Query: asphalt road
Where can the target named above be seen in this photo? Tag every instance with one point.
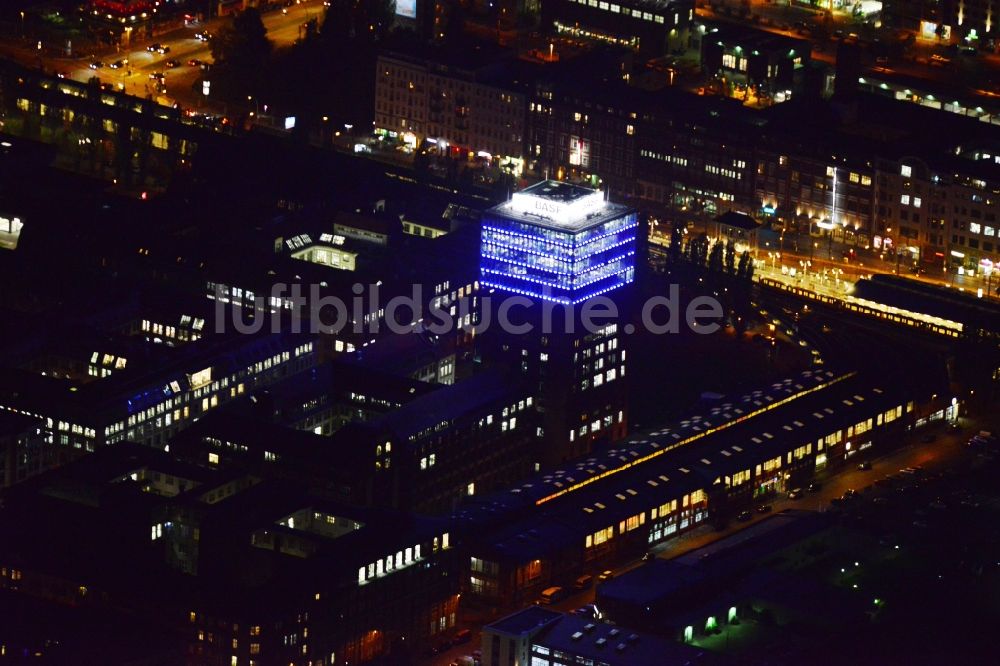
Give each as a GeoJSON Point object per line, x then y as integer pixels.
{"type": "Point", "coordinates": [282, 29]}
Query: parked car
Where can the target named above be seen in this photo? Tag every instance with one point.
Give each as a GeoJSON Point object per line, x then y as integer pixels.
{"type": "Point", "coordinates": [796, 493]}
{"type": "Point", "coordinates": [764, 508]}
{"type": "Point", "coordinates": [583, 582]}
{"type": "Point", "coordinates": [744, 516]}
{"type": "Point", "coordinates": [850, 494]}
{"type": "Point", "coordinates": [864, 466]}
{"type": "Point", "coordinates": [605, 575]}
{"type": "Point", "coordinates": [815, 487]}
{"type": "Point", "coordinates": [551, 595]}
{"type": "Point", "coordinates": [463, 636]}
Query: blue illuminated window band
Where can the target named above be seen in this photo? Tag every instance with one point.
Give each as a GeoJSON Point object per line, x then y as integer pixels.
{"type": "Point", "coordinates": [524, 249]}
{"type": "Point", "coordinates": [610, 233]}
{"type": "Point", "coordinates": [605, 247]}
{"type": "Point", "coordinates": [493, 246]}
{"type": "Point", "coordinates": [545, 269]}
{"type": "Point", "coordinates": [627, 241]}
{"type": "Point", "coordinates": [507, 232]}
{"type": "Point", "coordinates": [600, 266]}
{"type": "Point", "coordinates": [622, 273]}
{"type": "Point", "coordinates": [539, 267]}
{"type": "Point", "coordinates": [554, 299]}
{"type": "Point", "coordinates": [571, 246]}
{"type": "Point", "coordinates": [544, 283]}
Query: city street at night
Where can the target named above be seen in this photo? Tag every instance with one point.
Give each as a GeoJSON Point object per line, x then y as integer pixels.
{"type": "Point", "coordinates": [447, 333]}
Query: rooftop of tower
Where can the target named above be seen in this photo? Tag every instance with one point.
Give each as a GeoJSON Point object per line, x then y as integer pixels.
{"type": "Point", "coordinates": [559, 205]}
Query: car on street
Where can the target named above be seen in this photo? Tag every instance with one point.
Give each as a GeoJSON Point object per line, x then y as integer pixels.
{"type": "Point", "coordinates": [765, 508]}
{"type": "Point", "coordinates": [117, 64]}
{"type": "Point", "coordinates": [156, 75]}
{"type": "Point", "coordinates": [583, 582]}
{"type": "Point", "coordinates": [864, 466]}
{"type": "Point", "coordinates": [203, 36]}
{"type": "Point", "coordinates": [170, 64]}
{"type": "Point", "coordinates": [194, 62]}
{"type": "Point", "coordinates": [552, 595]}
{"type": "Point", "coordinates": [815, 487]}
{"type": "Point", "coordinates": [850, 494]}
{"type": "Point", "coordinates": [97, 64]}
{"type": "Point", "coordinates": [744, 516]}
{"type": "Point", "coordinates": [796, 493]}
{"type": "Point", "coordinates": [153, 48]}
{"type": "Point", "coordinates": [463, 636]}
{"type": "Point", "coordinates": [605, 575]}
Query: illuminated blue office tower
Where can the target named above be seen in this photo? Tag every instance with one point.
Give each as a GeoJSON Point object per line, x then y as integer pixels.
{"type": "Point", "coordinates": [558, 242]}
{"type": "Point", "coordinates": [561, 244]}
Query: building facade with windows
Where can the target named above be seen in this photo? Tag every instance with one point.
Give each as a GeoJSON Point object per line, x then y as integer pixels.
{"type": "Point", "coordinates": [561, 245]}
{"type": "Point", "coordinates": [652, 27]}
{"type": "Point", "coordinates": [450, 107]}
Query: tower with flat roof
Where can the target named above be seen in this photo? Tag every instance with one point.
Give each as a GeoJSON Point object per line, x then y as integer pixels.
{"type": "Point", "coordinates": [562, 245]}
{"type": "Point", "coordinates": [558, 242]}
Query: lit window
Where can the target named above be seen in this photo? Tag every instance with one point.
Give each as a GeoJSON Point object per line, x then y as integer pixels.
{"type": "Point", "coordinates": [904, 199]}
{"type": "Point", "coordinates": [916, 201]}
{"type": "Point", "coordinates": [905, 171]}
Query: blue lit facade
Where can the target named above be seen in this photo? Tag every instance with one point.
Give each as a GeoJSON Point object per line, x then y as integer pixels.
{"type": "Point", "coordinates": [558, 242]}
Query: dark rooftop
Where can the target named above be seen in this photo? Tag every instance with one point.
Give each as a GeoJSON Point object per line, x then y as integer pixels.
{"type": "Point", "coordinates": [739, 220]}
{"type": "Point", "coordinates": [525, 621]}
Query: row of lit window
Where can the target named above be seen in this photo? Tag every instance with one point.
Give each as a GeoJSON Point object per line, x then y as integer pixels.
{"type": "Point", "coordinates": [615, 8]}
